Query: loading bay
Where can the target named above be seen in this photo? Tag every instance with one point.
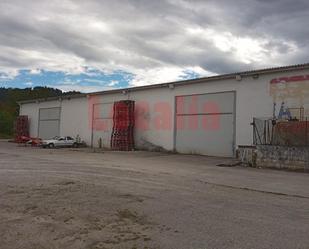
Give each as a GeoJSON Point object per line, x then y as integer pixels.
{"type": "Point", "coordinates": [74, 198]}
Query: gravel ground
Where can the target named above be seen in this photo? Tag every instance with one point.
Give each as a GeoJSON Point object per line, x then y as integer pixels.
{"type": "Point", "coordinates": [65, 198]}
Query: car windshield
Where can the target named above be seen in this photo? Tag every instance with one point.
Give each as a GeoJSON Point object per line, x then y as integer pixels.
{"type": "Point", "coordinates": [55, 137]}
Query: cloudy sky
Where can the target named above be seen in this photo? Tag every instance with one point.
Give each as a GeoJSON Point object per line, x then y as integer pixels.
{"type": "Point", "coordinates": [90, 45]}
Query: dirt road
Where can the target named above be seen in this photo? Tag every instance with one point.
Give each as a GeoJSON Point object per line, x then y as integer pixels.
{"type": "Point", "coordinates": [63, 198]}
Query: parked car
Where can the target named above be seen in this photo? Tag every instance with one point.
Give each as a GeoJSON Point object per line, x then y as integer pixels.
{"type": "Point", "coordinates": [59, 142]}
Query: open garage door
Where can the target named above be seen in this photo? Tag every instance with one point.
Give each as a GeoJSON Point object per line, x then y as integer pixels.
{"type": "Point", "coordinates": [205, 124]}
{"type": "Point", "coordinates": [49, 122]}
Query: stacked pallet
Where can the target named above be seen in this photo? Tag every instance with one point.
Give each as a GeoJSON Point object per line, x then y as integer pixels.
{"type": "Point", "coordinates": [123, 126]}
{"type": "Point", "coordinates": [21, 127]}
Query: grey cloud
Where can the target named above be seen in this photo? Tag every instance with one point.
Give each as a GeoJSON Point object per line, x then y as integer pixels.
{"type": "Point", "coordinates": [144, 34]}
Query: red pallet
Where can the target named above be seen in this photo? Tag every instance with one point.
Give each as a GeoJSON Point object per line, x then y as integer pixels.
{"type": "Point", "coordinates": [21, 127]}
{"type": "Point", "coordinates": [123, 126]}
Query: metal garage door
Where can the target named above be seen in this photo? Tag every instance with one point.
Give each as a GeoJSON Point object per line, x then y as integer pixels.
{"type": "Point", "coordinates": [205, 124]}
{"type": "Point", "coordinates": [102, 124]}
{"type": "Point", "coordinates": [49, 122]}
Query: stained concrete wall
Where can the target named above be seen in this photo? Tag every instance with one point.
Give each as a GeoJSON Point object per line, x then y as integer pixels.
{"type": "Point", "coordinates": [254, 98]}
{"type": "Point", "coordinates": [282, 157]}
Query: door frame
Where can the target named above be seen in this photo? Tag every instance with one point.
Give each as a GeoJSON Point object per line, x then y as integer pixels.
{"type": "Point", "coordinates": [197, 94]}
{"type": "Point", "coordinates": [58, 119]}
{"type": "Point", "coordinates": [92, 118]}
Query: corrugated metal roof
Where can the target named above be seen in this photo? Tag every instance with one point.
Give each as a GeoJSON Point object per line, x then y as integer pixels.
{"type": "Point", "coordinates": [183, 82]}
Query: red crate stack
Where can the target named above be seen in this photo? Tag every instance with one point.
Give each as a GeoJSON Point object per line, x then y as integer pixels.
{"type": "Point", "coordinates": [21, 127]}
{"type": "Point", "coordinates": [123, 126]}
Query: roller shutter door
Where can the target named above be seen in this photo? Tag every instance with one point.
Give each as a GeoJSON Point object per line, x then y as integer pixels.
{"type": "Point", "coordinates": [205, 124]}
{"type": "Point", "coordinates": [49, 122]}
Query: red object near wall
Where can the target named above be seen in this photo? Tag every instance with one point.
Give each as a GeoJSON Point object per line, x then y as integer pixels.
{"type": "Point", "coordinates": [123, 126]}
{"type": "Point", "coordinates": [21, 128]}
{"type": "Point", "coordinates": [293, 133]}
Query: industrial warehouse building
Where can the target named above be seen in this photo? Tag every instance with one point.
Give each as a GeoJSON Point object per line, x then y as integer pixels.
{"type": "Point", "coordinates": [209, 116]}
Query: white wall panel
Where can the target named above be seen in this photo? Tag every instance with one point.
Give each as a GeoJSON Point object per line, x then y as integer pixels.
{"type": "Point", "coordinates": [76, 119]}
{"type": "Point", "coordinates": [212, 139]}
{"type": "Point", "coordinates": [49, 128]}
{"type": "Point", "coordinates": [49, 113]}
{"type": "Point", "coordinates": [49, 122]}
{"type": "Point", "coordinates": [205, 103]}
{"type": "Point", "coordinates": [102, 124]}
{"type": "Point", "coordinates": [205, 124]}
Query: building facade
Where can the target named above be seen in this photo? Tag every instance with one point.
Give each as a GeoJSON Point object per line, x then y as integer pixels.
{"type": "Point", "coordinates": [209, 116]}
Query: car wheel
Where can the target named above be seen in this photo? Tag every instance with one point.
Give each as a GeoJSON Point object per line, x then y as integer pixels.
{"type": "Point", "coordinates": [51, 146]}
{"type": "Point", "coordinates": [75, 145]}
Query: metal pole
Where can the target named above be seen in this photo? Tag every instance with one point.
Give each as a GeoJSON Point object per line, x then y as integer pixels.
{"type": "Point", "coordinates": [92, 124]}
{"type": "Point", "coordinates": [254, 134]}
{"type": "Point", "coordinates": [272, 132]}
{"type": "Point", "coordinates": [306, 147]}
{"type": "Point", "coordinates": [265, 132]}
{"type": "Point", "coordinates": [306, 136]}
{"type": "Point", "coordinates": [268, 133]}
{"type": "Point", "coordinates": [258, 135]}
{"type": "Point", "coordinates": [307, 164]}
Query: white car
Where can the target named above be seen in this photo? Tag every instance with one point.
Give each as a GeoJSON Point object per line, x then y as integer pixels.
{"type": "Point", "coordinates": [59, 142]}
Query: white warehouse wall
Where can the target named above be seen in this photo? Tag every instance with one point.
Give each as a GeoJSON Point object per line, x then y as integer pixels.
{"type": "Point", "coordinates": [32, 111]}
{"type": "Point", "coordinates": [253, 99]}
{"type": "Point", "coordinates": [74, 119]}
